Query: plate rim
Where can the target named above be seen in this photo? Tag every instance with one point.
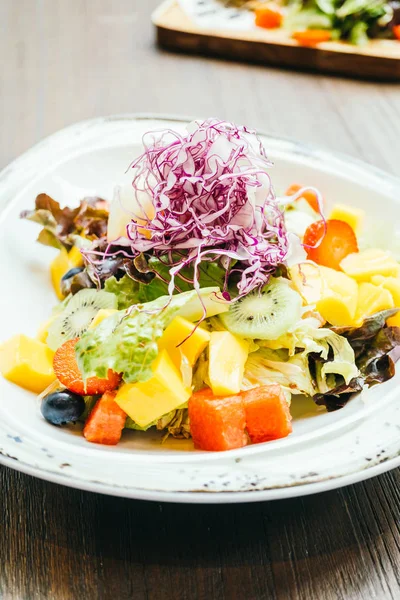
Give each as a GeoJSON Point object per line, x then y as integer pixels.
{"type": "Point", "coordinates": [204, 496]}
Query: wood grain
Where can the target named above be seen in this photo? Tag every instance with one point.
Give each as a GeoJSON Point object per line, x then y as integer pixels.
{"type": "Point", "coordinates": [67, 61]}
{"type": "Point", "coordinates": [376, 60]}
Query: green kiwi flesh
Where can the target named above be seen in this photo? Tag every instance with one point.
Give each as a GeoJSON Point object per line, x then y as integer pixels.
{"type": "Point", "coordinates": [77, 316]}
{"type": "Point", "coordinates": [264, 314]}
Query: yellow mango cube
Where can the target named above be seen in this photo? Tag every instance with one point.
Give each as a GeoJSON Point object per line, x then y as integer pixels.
{"type": "Point", "coordinates": [173, 336]}
{"type": "Point", "coordinates": [371, 299]}
{"type": "Point", "coordinates": [307, 280]}
{"type": "Point", "coordinates": [58, 267]}
{"type": "Point", "coordinates": [228, 355]}
{"type": "Point", "coordinates": [27, 362]}
{"type": "Point", "coordinates": [339, 297]}
{"type": "Point", "coordinates": [102, 314]}
{"type": "Point", "coordinates": [148, 401]}
{"type": "Point", "coordinates": [392, 284]}
{"type": "Point", "coordinates": [75, 257]}
{"type": "Point", "coordinates": [350, 215]}
{"type": "Point", "coordinates": [61, 264]}
{"type": "Point", "coordinates": [362, 266]}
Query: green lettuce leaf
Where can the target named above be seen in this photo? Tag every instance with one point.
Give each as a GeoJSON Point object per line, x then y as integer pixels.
{"type": "Point", "coordinates": [293, 365]}
{"type": "Point", "coordinates": [126, 342]}
{"type": "Point", "coordinates": [130, 291]}
{"type": "Point", "coordinates": [126, 290]}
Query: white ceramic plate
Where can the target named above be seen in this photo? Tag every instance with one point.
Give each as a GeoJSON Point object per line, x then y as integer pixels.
{"type": "Point", "coordinates": [324, 451]}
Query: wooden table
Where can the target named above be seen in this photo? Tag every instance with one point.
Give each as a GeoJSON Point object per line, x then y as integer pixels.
{"type": "Point", "coordinates": [67, 61]}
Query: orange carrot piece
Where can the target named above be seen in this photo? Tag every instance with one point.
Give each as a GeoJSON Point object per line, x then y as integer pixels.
{"type": "Point", "coordinates": [268, 18]}
{"type": "Point", "coordinates": [309, 196]}
{"type": "Point", "coordinates": [336, 240]}
{"type": "Point", "coordinates": [396, 32]}
{"type": "Point", "coordinates": [217, 423]}
{"type": "Point", "coordinates": [311, 37]}
{"type": "Point", "coordinates": [67, 373]}
{"type": "Point", "coordinates": [267, 414]}
{"type": "Point", "coordinates": [106, 421]}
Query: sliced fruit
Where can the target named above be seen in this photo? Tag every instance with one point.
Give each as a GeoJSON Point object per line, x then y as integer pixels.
{"type": "Point", "coordinates": [349, 214]}
{"type": "Point", "coordinates": [268, 18]}
{"type": "Point", "coordinates": [147, 401]}
{"type": "Point", "coordinates": [392, 284]}
{"type": "Point", "coordinates": [27, 362]}
{"type": "Point", "coordinates": [195, 341]}
{"type": "Point", "coordinates": [106, 421]}
{"type": "Point", "coordinates": [312, 37]}
{"type": "Point", "coordinates": [265, 314]}
{"type": "Point", "coordinates": [217, 424]}
{"type": "Point", "coordinates": [78, 315]}
{"type": "Point", "coordinates": [68, 373]}
{"type": "Point", "coordinates": [362, 266]}
{"type": "Point", "coordinates": [371, 299]}
{"type": "Point", "coordinates": [102, 314]}
{"type": "Point", "coordinates": [58, 267]}
{"type": "Point", "coordinates": [329, 243]}
{"type": "Point", "coordinates": [75, 257]}
{"type": "Point", "coordinates": [307, 280]}
{"type": "Point", "coordinates": [310, 196]}
{"type": "Point", "coordinates": [228, 355]}
{"type": "Point", "coordinates": [62, 263]}
{"type": "Point", "coordinates": [339, 298]}
{"type": "Point", "coordinates": [267, 414]}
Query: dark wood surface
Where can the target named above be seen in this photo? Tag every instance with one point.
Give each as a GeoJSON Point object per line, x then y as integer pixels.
{"type": "Point", "coordinates": [377, 60]}
{"type": "Point", "coordinates": [66, 61]}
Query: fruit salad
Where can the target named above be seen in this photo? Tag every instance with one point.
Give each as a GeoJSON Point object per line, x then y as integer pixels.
{"type": "Point", "coordinates": [202, 301]}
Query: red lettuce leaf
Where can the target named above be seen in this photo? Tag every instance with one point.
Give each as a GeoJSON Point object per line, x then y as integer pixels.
{"type": "Point", "coordinates": [61, 225]}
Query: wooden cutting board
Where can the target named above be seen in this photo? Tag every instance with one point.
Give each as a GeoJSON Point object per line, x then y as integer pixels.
{"type": "Point", "coordinates": [380, 59]}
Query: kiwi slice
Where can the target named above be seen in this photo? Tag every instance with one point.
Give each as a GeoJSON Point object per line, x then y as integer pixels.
{"type": "Point", "coordinates": [264, 314]}
{"type": "Point", "coordinates": [80, 311]}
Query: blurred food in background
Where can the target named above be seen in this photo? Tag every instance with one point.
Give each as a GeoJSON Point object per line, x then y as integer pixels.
{"type": "Point", "coordinates": [313, 21]}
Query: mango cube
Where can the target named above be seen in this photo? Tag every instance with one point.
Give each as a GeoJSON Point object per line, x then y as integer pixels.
{"type": "Point", "coordinates": [62, 263]}
{"type": "Point", "coordinates": [147, 401]}
{"type": "Point", "coordinates": [350, 215]}
{"type": "Point", "coordinates": [102, 314]}
{"type": "Point", "coordinates": [307, 280]}
{"type": "Point", "coordinates": [371, 299]}
{"type": "Point", "coordinates": [362, 266]}
{"type": "Point", "coordinates": [27, 362]}
{"type": "Point", "coordinates": [338, 302]}
{"type": "Point", "coordinates": [392, 284]}
{"type": "Point", "coordinates": [228, 355]}
{"type": "Point", "coordinates": [173, 336]}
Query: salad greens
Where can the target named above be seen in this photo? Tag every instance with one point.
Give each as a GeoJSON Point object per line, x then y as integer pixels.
{"type": "Point", "coordinates": [64, 227]}
{"type": "Point", "coordinates": [126, 342]}
{"type": "Point", "coordinates": [309, 361]}
{"type": "Point", "coordinates": [355, 21]}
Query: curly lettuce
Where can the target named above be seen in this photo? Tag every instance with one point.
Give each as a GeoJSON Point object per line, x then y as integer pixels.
{"type": "Point", "coordinates": [308, 360]}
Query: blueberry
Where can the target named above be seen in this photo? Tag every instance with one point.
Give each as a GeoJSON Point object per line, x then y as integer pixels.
{"type": "Point", "coordinates": [71, 273]}
{"type": "Point", "coordinates": [62, 407]}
